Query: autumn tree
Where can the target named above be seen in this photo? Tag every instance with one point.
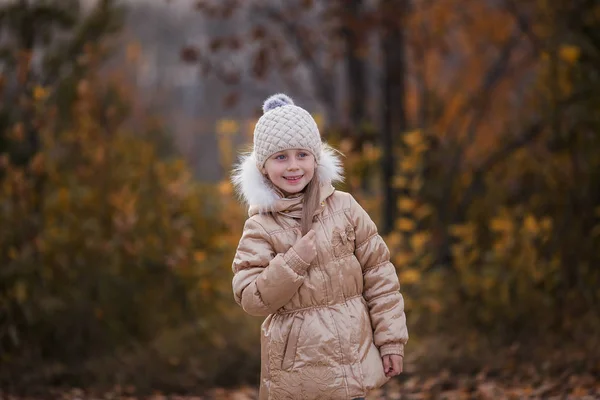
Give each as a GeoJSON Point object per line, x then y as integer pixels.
{"type": "Point", "coordinates": [301, 45]}
{"type": "Point", "coordinates": [500, 173]}
{"type": "Point", "coordinates": [107, 248]}
{"type": "Point", "coordinates": [44, 45]}
{"type": "Point", "coordinates": [488, 110]}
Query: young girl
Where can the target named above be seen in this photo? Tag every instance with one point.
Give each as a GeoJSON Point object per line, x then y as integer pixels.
{"type": "Point", "coordinates": [310, 260]}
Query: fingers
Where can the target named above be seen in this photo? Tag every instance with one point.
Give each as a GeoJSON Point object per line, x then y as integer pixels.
{"type": "Point", "coordinates": [310, 236]}
{"type": "Point", "coordinates": [309, 239]}
{"type": "Point", "coordinates": [397, 364]}
{"type": "Point", "coordinates": [306, 246]}
{"type": "Point", "coordinates": [392, 365]}
{"type": "Point", "coordinates": [387, 365]}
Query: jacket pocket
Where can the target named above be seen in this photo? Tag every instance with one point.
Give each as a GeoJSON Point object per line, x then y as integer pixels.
{"type": "Point", "coordinates": [292, 343]}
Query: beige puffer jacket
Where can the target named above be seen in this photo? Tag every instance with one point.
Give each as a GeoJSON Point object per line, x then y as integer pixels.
{"type": "Point", "coordinates": [328, 323]}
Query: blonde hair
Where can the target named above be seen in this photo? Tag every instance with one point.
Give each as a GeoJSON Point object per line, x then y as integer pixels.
{"type": "Point", "coordinates": [310, 203]}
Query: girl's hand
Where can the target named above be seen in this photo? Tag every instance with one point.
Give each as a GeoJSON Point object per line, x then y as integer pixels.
{"type": "Point", "coordinates": [306, 247]}
{"type": "Point", "coordinates": [392, 365]}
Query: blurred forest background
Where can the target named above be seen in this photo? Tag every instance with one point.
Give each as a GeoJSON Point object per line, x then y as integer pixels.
{"type": "Point", "coordinates": [471, 132]}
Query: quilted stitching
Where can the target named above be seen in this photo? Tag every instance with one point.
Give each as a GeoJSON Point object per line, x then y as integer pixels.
{"type": "Point", "coordinates": [285, 127]}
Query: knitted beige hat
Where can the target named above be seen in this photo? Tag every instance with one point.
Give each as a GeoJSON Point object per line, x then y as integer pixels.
{"type": "Point", "coordinates": [283, 126]}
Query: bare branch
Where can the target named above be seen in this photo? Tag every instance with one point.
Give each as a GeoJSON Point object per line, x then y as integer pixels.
{"type": "Point", "coordinates": [481, 101]}
{"type": "Point", "coordinates": [524, 24]}
{"type": "Point", "coordinates": [489, 81]}
{"type": "Point", "coordinates": [323, 82]}
{"type": "Point", "coordinates": [529, 134]}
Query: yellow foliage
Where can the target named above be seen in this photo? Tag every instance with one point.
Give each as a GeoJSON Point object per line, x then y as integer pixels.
{"type": "Point", "coordinates": [419, 240]}
{"type": "Point", "coordinates": [405, 224]}
{"type": "Point", "coordinates": [531, 225]}
{"type": "Point", "coordinates": [416, 184]}
{"type": "Point", "coordinates": [408, 164]}
{"type": "Point", "coordinates": [63, 197]}
{"type": "Point", "coordinates": [502, 246]}
{"type": "Point", "coordinates": [406, 204]}
{"type": "Point", "coordinates": [413, 138]}
{"type": "Point", "coordinates": [225, 188]}
{"type": "Point", "coordinates": [401, 259]}
{"type": "Point", "coordinates": [394, 240]}
{"type": "Point", "coordinates": [319, 119]}
{"type": "Point", "coordinates": [570, 53]}
{"type": "Point", "coordinates": [371, 153]}
{"type": "Point", "coordinates": [502, 224]}
{"type": "Point", "coordinates": [462, 231]}
{"type": "Point", "coordinates": [423, 211]}
{"type": "Point", "coordinates": [410, 276]}
{"type": "Point", "coordinates": [458, 250]}
{"type": "Point", "coordinates": [227, 126]}
{"type": "Point", "coordinates": [400, 182]}
{"type": "Point", "coordinates": [40, 93]}
{"type": "Point", "coordinates": [546, 224]}
{"type": "Point", "coordinates": [249, 131]}
{"type": "Point", "coordinates": [199, 256]}
{"type": "Point", "coordinates": [420, 148]}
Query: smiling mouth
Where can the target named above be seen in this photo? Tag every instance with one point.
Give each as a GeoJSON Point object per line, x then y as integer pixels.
{"type": "Point", "coordinates": [293, 178]}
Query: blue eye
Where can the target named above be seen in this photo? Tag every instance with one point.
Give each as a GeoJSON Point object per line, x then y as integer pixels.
{"type": "Point", "coordinates": [280, 157]}
{"type": "Point", "coordinates": [303, 155]}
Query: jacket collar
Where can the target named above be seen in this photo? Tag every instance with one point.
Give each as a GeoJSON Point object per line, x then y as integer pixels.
{"type": "Point", "coordinates": [260, 195]}
{"type": "Point", "coordinates": [292, 207]}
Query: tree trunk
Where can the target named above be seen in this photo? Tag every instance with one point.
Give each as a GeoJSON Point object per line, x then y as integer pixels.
{"type": "Point", "coordinates": [393, 101]}
{"type": "Point", "coordinates": [357, 88]}
{"type": "Point", "coordinates": [356, 75]}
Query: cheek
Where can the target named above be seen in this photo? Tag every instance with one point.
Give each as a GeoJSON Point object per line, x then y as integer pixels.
{"type": "Point", "coordinates": [273, 171]}
{"type": "Point", "coordinates": [311, 171]}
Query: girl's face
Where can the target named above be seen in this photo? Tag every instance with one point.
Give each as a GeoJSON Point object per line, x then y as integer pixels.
{"type": "Point", "coordinates": [290, 170]}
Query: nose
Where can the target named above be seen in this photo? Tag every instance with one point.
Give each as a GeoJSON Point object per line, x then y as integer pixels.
{"type": "Point", "coordinates": [293, 165]}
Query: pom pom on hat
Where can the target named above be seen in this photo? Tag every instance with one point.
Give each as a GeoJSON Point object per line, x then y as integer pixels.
{"type": "Point", "coordinates": [275, 101]}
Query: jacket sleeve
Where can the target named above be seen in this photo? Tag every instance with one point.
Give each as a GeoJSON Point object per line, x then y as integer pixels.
{"type": "Point", "coordinates": [381, 286]}
{"type": "Point", "coordinates": [264, 281]}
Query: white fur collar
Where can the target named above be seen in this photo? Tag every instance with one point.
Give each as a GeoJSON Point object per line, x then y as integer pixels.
{"type": "Point", "coordinates": [255, 190]}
